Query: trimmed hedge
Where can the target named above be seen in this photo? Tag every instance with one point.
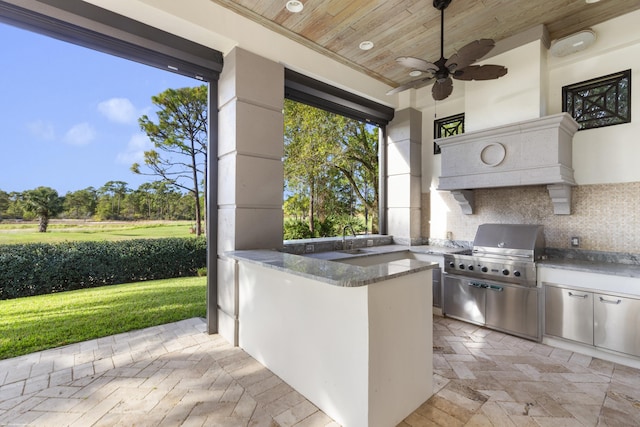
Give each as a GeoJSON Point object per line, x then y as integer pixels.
{"type": "Point", "coordinates": [43, 268]}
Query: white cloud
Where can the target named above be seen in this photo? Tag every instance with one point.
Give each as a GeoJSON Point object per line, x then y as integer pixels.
{"type": "Point", "coordinates": [119, 110]}
{"type": "Point", "coordinates": [42, 129]}
{"type": "Point", "coordinates": [134, 153]}
{"type": "Point", "coordinates": [80, 134]}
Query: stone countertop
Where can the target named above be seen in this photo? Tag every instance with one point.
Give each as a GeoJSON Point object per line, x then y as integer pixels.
{"type": "Point", "coordinates": [332, 272]}
{"type": "Point", "coordinates": [431, 249]}
{"type": "Point", "coordinates": [386, 249]}
{"type": "Point", "coordinates": [598, 267]}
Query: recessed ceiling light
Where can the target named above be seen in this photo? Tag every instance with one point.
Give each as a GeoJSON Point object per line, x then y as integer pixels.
{"type": "Point", "coordinates": [366, 45]}
{"type": "Point", "coordinates": [295, 6]}
{"type": "Point", "coordinates": [592, 1]}
{"type": "Point", "coordinates": [415, 73]}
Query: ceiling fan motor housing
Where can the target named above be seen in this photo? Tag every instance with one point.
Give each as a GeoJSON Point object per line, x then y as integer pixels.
{"type": "Point", "coordinates": [441, 4]}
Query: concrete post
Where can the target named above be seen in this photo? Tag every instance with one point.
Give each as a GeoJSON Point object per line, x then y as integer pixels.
{"type": "Point", "coordinates": [404, 172]}
{"type": "Point", "coordinates": [250, 175]}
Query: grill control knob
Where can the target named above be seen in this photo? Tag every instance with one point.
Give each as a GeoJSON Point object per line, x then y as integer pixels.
{"type": "Point", "coordinates": [505, 271]}
{"type": "Point", "coordinates": [452, 264]}
{"type": "Point", "coordinates": [484, 269]}
{"type": "Point", "coordinates": [470, 267]}
{"type": "Point", "coordinates": [516, 273]}
{"type": "Point", "coordinates": [461, 266]}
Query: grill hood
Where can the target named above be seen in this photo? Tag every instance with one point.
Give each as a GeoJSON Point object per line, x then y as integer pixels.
{"type": "Point", "coordinates": [515, 240]}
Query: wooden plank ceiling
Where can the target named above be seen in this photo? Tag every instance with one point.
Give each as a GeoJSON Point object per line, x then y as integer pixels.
{"type": "Point", "coordinates": [335, 28]}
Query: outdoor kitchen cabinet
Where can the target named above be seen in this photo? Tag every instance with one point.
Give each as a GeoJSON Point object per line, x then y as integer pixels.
{"type": "Point", "coordinates": [464, 299]}
{"type": "Point", "coordinates": [616, 321]}
{"type": "Point", "coordinates": [569, 314]}
{"type": "Point", "coordinates": [436, 275]}
{"type": "Point", "coordinates": [514, 309]}
{"type": "Point", "coordinates": [603, 320]}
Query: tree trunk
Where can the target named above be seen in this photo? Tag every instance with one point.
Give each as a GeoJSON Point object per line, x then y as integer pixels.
{"type": "Point", "coordinates": [196, 196]}
{"type": "Point", "coordinates": [196, 191]}
{"type": "Point", "coordinates": [311, 207]}
{"type": "Point", "coordinates": [205, 195]}
{"type": "Point", "coordinates": [43, 223]}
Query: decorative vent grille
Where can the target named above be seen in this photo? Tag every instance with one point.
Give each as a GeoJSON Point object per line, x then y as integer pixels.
{"type": "Point", "coordinates": [604, 101]}
{"type": "Point", "coordinates": [447, 126]}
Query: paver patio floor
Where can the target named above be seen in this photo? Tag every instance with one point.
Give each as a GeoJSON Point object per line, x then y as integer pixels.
{"type": "Point", "coordinates": [177, 375]}
{"type": "Point", "coordinates": [168, 375]}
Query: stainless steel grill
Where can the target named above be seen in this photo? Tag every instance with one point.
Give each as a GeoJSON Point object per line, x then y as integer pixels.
{"type": "Point", "coordinates": [494, 285]}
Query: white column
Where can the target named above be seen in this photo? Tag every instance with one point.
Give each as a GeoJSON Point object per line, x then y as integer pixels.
{"type": "Point", "coordinates": [404, 172]}
{"type": "Point", "coordinates": [250, 176]}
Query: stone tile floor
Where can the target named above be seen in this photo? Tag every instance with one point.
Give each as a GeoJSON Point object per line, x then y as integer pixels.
{"type": "Point", "coordinates": [177, 375]}
{"type": "Point", "coordinates": [487, 378]}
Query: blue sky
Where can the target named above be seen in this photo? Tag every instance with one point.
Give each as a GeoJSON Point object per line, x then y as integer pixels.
{"type": "Point", "coordinates": [69, 115]}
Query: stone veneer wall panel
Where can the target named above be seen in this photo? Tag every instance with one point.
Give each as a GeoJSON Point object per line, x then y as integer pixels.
{"type": "Point", "coordinates": [606, 217]}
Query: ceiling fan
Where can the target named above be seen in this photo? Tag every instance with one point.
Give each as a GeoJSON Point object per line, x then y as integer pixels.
{"type": "Point", "coordinates": [457, 66]}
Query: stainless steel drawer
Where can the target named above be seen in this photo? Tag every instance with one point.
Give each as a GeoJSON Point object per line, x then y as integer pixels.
{"type": "Point", "coordinates": [514, 309]}
{"type": "Point", "coordinates": [617, 323]}
{"type": "Point", "coordinates": [463, 299]}
{"type": "Point", "coordinates": [568, 314]}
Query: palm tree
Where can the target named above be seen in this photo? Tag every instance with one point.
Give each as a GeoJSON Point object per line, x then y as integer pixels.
{"type": "Point", "coordinates": [45, 203]}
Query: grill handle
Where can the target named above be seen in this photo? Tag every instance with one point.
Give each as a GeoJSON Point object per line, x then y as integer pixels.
{"type": "Point", "coordinates": [500, 254]}
{"type": "Point", "coordinates": [485, 286]}
{"type": "Point", "coordinates": [477, 285]}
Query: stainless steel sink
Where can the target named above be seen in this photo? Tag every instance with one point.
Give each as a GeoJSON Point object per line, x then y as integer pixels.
{"type": "Point", "coordinates": [354, 251]}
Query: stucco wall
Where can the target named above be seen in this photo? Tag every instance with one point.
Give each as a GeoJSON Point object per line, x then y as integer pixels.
{"type": "Point", "coordinates": [604, 155]}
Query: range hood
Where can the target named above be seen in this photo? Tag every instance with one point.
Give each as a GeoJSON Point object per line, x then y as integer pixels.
{"type": "Point", "coordinates": [531, 152]}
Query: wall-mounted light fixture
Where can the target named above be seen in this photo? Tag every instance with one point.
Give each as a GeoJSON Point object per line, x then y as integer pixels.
{"type": "Point", "coordinates": [573, 43]}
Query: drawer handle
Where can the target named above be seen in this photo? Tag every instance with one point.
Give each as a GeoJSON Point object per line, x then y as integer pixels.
{"type": "Point", "coordinates": [606, 301]}
{"type": "Point", "coordinates": [571, 294]}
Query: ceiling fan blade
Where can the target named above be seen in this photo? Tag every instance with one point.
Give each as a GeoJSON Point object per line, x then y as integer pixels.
{"type": "Point", "coordinates": [411, 85]}
{"type": "Point", "coordinates": [469, 53]}
{"type": "Point", "coordinates": [417, 64]}
{"type": "Point", "coordinates": [442, 89]}
{"type": "Point", "coordinates": [480, 72]}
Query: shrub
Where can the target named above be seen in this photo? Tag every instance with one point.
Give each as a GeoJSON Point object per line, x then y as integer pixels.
{"type": "Point", "coordinates": [42, 268]}
{"type": "Point", "coordinates": [296, 229]}
{"type": "Point", "coordinates": [338, 224]}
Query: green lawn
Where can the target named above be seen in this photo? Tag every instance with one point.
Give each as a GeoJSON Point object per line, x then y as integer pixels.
{"type": "Point", "coordinates": [59, 231]}
{"type": "Point", "coordinates": [47, 321]}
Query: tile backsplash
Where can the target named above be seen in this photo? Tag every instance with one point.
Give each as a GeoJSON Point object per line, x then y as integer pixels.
{"type": "Point", "coordinates": [605, 217]}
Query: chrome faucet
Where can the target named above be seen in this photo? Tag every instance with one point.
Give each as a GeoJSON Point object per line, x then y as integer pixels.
{"type": "Point", "coordinates": [344, 236]}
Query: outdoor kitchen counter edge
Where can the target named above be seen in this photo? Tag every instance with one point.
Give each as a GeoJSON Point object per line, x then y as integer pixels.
{"type": "Point", "coordinates": [330, 272]}
{"type": "Point", "coordinates": [608, 268]}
